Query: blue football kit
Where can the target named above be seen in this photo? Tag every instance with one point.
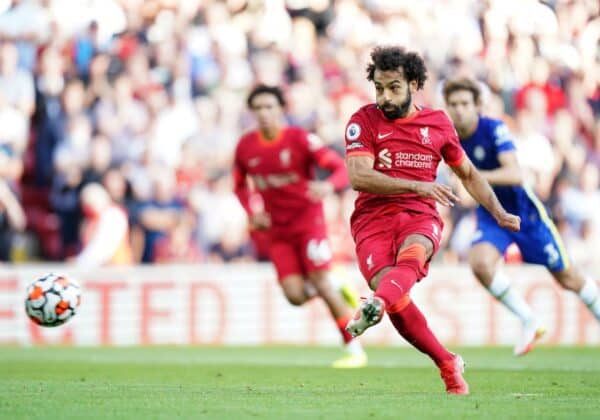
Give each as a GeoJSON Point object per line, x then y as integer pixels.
{"type": "Point", "coordinates": [538, 240]}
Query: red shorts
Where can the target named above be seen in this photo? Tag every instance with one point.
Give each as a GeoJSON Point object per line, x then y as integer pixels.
{"type": "Point", "coordinates": [379, 239]}
{"type": "Point", "coordinates": [303, 252]}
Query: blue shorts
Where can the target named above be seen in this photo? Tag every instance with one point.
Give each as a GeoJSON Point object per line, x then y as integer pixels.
{"type": "Point", "coordinates": [538, 240]}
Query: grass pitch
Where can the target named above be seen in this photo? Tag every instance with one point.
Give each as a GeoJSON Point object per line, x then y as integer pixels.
{"type": "Point", "coordinates": [291, 383]}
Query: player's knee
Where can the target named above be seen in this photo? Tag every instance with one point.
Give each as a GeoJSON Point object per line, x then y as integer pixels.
{"type": "Point", "coordinates": [295, 297]}
{"type": "Point", "coordinates": [483, 259]}
{"type": "Point", "coordinates": [419, 244]}
{"type": "Point", "coordinates": [569, 280]}
{"type": "Point", "coordinates": [320, 282]}
{"type": "Point", "coordinates": [414, 257]}
{"type": "Point", "coordinates": [483, 269]}
{"type": "Point", "coordinates": [376, 279]}
{"type": "Point", "coordinates": [294, 290]}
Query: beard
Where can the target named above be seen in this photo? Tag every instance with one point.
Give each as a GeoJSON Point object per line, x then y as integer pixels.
{"type": "Point", "coordinates": [393, 112]}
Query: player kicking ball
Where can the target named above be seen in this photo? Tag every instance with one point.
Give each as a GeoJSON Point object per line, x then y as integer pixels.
{"type": "Point", "coordinates": [488, 143]}
{"type": "Point", "coordinates": [279, 162]}
{"type": "Point", "coordinates": [393, 149]}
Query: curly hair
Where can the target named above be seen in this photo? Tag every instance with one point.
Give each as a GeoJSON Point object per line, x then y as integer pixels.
{"type": "Point", "coordinates": [391, 58]}
{"type": "Point", "coordinates": [272, 90]}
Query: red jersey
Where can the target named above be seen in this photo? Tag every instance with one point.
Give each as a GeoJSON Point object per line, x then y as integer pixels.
{"type": "Point", "coordinates": [409, 148]}
{"type": "Point", "coordinates": [280, 170]}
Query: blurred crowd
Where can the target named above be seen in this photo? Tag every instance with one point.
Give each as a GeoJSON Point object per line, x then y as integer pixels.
{"type": "Point", "coordinates": [119, 118]}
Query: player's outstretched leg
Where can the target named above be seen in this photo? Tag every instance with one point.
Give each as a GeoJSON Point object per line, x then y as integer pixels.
{"type": "Point", "coordinates": [393, 291]}
{"type": "Point", "coordinates": [355, 356]}
{"type": "Point", "coordinates": [586, 288]}
{"type": "Point", "coordinates": [412, 325]}
{"type": "Point", "coordinates": [295, 289]}
{"type": "Point", "coordinates": [532, 330]}
{"type": "Point", "coordinates": [483, 259]}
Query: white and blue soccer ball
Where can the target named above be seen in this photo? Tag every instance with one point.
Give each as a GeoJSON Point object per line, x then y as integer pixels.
{"type": "Point", "coordinates": [52, 300]}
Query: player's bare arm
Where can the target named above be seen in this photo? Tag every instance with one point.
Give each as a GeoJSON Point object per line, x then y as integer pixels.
{"type": "Point", "coordinates": [366, 179]}
{"type": "Point", "coordinates": [481, 191]}
{"type": "Point", "coordinates": [509, 172]}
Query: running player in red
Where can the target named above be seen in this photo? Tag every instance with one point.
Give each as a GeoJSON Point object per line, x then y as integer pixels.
{"type": "Point", "coordinates": [393, 149]}
{"type": "Point", "coordinates": [279, 161]}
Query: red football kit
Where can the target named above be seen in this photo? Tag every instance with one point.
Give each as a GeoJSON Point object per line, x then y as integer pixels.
{"type": "Point", "coordinates": [280, 170]}
{"type": "Point", "coordinates": [409, 148]}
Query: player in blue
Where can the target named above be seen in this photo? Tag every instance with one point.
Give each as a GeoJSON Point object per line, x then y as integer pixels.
{"type": "Point", "coordinates": [489, 145]}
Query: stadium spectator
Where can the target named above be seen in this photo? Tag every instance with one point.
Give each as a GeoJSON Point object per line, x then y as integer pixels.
{"type": "Point", "coordinates": [16, 84]}
{"type": "Point", "coordinates": [12, 220]}
{"type": "Point", "coordinates": [158, 216]}
{"type": "Point", "coordinates": [179, 245]}
{"type": "Point", "coordinates": [12, 139]}
{"type": "Point", "coordinates": [164, 81]}
{"type": "Point", "coordinates": [105, 233]}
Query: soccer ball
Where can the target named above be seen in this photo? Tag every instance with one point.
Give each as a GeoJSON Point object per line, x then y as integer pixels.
{"type": "Point", "coordinates": [52, 300]}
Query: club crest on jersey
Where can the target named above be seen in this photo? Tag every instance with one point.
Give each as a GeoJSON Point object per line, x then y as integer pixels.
{"type": "Point", "coordinates": [285, 156]}
{"type": "Point", "coordinates": [479, 153]}
{"type": "Point", "coordinates": [353, 131]}
{"type": "Point", "coordinates": [425, 135]}
{"type": "Point", "coordinates": [370, 263]}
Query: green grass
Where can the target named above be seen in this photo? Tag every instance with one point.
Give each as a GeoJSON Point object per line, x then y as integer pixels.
{"type": "Point", "coordinates": [291, 383]}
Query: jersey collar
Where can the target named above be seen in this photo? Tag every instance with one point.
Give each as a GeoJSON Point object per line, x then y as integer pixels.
{"type": "Point", "coordinates": [270, 142]}
{"type": "Point", "coordinates": [412, 116]}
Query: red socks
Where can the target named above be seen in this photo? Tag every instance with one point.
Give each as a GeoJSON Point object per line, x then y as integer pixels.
{"type": "Point", "coordinates": [412, 325]}
{"type": "Point", "coordinates": [394, 289]}
{"type": "Point", "coordinates": [397, 282]}
{"type": "Point", "coordinates": [341, 323]}
{"type": "Point", "coordinates": [395, 285]}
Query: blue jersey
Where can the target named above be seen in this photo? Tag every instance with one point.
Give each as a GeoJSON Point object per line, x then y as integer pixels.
{"type": "Point", "coordinates": [538, 239]}
{"type": "Point", "coordinates": [490, 139]}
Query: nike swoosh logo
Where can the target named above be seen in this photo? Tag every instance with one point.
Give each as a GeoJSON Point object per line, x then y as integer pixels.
{"type": "Point", "coordinates": [382, 136]}
{"type": "Point", "coordinates": [397, 285]}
